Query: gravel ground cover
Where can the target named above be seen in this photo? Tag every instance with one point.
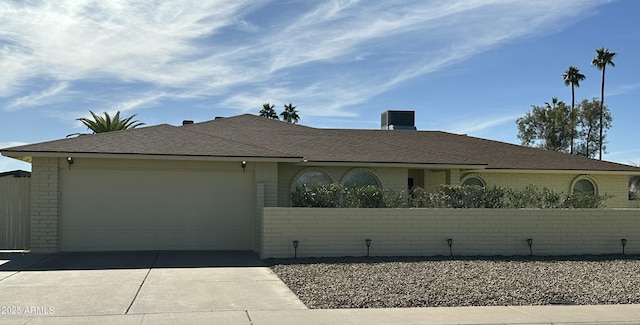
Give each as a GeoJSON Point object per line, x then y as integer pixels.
{"type": "Point", "coordinates": [384, 282]}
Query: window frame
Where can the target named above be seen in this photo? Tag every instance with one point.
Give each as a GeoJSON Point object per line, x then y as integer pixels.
{"type": "Point", "coordinates": [473, 176]}
{"type": "Point", "coordinates": [584, 178]}
{"type": "Point", "coordinates": [294, 184]}
{"type": "Point", "coordinates": [354, 171]}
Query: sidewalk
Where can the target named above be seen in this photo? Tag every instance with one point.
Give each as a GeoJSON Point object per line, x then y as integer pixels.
{"type": "Point", "coordinates": [529, 315]}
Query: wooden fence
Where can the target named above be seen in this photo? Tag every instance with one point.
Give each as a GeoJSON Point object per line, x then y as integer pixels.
{"type": "Point", "coordinates": [14, 213]}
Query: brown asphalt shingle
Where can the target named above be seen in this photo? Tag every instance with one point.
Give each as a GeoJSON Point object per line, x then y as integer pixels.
{"type": "Point", "coordinates": [252, 136]}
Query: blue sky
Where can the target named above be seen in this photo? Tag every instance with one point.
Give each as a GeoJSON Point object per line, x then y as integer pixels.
{"type": "Point", "coordinates": [464, 66]}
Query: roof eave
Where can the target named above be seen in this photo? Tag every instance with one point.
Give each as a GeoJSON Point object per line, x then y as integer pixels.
{"type": "Point", "coordinates": [390, 164]}
{"type": "Point", "coordinates": [27, 156]}
{"type": "Point", "coordinates": [554, 171]}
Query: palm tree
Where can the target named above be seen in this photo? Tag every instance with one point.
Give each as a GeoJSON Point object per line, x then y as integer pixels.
{"type": "Point", "coordinates": [101, 124]}
{"type": "Point", "coordinates": [290, 114]}
{"type": "Point", "coordinates": [268, 111]}
{"type": "Point", "coordinates": [601, 60]}
{"type": "Point", "coordinates": [573, 77]}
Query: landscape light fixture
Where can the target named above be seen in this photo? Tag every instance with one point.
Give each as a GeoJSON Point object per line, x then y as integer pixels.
{"type": "Point", "coordinates": [530, 243]}
{"type": "Point", "coordinates": [295, 248]}
{"type": "Point", "coordinates": [624, 243]}
{"type": "Point", "coordinates": [244, 166]}
{"type": "Point", "coordinates": [368, 243]}
{"type": "Point", "coordinates": [450, 243]}
{"type": "Point", "coordinates": [69, 162]}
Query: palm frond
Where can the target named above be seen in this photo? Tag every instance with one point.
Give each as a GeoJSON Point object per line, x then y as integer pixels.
{"type": "Point", "coordinates": [107, 123]}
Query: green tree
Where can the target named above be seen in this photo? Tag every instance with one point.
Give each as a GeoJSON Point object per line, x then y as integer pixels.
{"type": "Point", "coordinates": [546, 126]}
{"type": "Point", "coordinates": [573, 77]}
{"type": "Point", "coordinates": [589, 122]}
{"type": "Point", "coordinates": [107, 123]}
{"type": "Point", "coordinates": [602, 59]}
{"type": "Point", "coordinates": [290, 114]}
{"type": "Point", "coordinates": [268, 111]}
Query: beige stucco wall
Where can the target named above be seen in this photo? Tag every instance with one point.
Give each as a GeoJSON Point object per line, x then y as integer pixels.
{"type": "Point", "coordinates": [433, 178]}
{"type": "Point", "coordinates": [615, 187]}
{"type": "Point", "coordinates": [390, 178]}
{"type": "Point", "coordinates": [423, 232]}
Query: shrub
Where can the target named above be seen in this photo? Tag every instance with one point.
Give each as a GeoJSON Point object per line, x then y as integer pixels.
{"type": "Point", "coordinates": [583, 201]}
{"type": "Point", "coordinates": [363, 197]}
{"type": "Point", "coordinates": [317, 196]}
{"type": "Point", "coordinates": [444, 196]}
{"type": "Point", "coordinates": [532, 197]}
{"type": "Point", "coordinates": [396, 199]}
{"type": "Point", "coordinates": [337, 196]}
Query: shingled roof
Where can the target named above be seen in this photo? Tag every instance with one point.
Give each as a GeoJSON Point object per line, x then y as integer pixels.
{"type": "Point", "coordinates": [248, 136]}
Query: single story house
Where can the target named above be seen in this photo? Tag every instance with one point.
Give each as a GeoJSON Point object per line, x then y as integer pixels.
{"type": "Point", "coordinates": [203, 185]}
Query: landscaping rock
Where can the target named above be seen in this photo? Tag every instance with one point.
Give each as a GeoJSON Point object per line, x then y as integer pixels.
{"type": "Point", "coordinates": [463, 281]}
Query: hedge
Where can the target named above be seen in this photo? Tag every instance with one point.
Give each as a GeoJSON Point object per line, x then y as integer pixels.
{"type": "Point", "coordinates": [444, 196]}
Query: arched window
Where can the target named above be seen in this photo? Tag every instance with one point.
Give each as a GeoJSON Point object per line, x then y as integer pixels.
{"type": "Point", "coordinates": [360, 178]}
{"type": "Point", "coordinates": [310, 177]}
{"type": "Point", "coordinates": [473, 180]}
{"type": "Point", "coordinates": [584, 185]}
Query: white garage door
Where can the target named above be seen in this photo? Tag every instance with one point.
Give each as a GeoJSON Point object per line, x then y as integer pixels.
{"type": "Point", "coordinates": [113, 210]}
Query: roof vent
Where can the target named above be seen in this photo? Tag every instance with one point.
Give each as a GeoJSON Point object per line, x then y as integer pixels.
{"type": "Point", "coordinates": [187, 122]}
{"type": "Point", "coordinates": [398, 120]}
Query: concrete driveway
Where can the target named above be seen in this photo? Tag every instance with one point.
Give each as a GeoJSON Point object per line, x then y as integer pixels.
{"type": "Point", "coordinates": [136, 283]}
{"type": "Point", "coordinates": [218, 288]}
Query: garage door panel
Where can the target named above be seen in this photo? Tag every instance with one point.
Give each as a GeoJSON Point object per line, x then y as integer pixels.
{"type": "Point", "coordinates": [149, 210]}
{"type": "Point", "coordinates": [125, 240]}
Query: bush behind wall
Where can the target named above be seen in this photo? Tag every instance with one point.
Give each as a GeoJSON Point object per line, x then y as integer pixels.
{"type": "Point", "coordinates": [444, 196]}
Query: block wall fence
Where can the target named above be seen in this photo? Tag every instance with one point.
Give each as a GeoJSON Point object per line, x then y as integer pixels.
{"type": "Point", "coordinates": [424, 232]}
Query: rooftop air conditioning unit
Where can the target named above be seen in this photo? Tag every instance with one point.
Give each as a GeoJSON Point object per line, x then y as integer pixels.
{"type": "Point", "coordinates": [398, 120]}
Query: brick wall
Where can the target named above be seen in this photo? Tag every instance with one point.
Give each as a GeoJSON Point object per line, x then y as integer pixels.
{"type": "Point", "coordinates": [266, 195]}
{"type": "Point", "coordinates": [44, 205]}
{"type": "Point", "coordinates": [423, 232]}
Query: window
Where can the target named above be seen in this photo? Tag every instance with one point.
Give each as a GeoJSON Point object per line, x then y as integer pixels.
{"type": "Point", "coordinates": [584, 185]}
{"type": "Point", "coordinates": [360, 178]}
{"type": "Point", "coordinates": [311, 177]}
{"type": "Point", "coordinates": [473, 181]}
{"type": "Point", "coordinates": [634, 188]}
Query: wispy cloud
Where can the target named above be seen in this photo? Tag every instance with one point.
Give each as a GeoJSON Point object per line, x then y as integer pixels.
{"type": "Point", "coordinates": [623, 89]}
{"type": "Point", "coordinates": [39, 98]}
{"type": "Point", "coordinates": [478, 124]}
{"type": "Point", "coordinates": [628, 157]}
{"type": "Point", "coordinates": [325, 58]}
{"type": "Point", "coordinates": [139, 101]}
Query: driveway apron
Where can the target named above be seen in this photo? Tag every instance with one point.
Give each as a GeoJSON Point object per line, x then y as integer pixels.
{"type": "Point", "coordinates": [201, 281]}
{"type": "Point", "coordinates": [94, 284]}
